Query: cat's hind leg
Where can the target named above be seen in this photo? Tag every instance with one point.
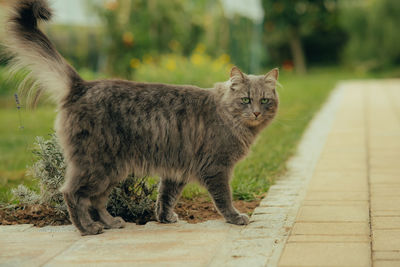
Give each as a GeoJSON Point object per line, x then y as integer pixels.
{"type": "Point", "coordinates": [77, 190]}
{"type": "Point", "coordinates": [99, 203]}
{"type": "Point", "coordinates": [78, 209]}
{"type": "Point", "coordinates": [169, 192]}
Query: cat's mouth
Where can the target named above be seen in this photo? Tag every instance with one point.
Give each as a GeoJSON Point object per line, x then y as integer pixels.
{"type": "Point", "coordinates": [254, 121]}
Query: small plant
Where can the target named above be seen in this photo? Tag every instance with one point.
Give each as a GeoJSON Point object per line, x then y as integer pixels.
{"type": "Point", "coordinates": [132, 199]}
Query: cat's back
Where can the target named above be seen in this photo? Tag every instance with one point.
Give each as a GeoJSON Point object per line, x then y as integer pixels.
{"type": "Point", "coordinates": [143, 108]}
{"type": "Point", "coordinates": [144, 95]}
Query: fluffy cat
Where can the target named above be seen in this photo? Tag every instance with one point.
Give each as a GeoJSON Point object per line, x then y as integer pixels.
{"type": "Point", "coordinates": [110, 128]}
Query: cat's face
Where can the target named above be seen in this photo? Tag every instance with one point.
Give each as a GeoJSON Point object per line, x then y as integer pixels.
{"type": "Point", "coordinates": [252, 99]}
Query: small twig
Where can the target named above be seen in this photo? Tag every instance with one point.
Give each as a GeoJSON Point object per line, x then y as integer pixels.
{"type": "Point", "coordinates": [21, 127]}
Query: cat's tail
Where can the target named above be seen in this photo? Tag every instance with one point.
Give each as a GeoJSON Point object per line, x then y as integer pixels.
{"type": "Point", "coordinates": [32, 50]}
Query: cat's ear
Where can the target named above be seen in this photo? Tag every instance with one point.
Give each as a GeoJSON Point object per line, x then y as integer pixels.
{"type": "Point", "coordinates": [272, 76]}
{"type": "Point", "coordinates": [237, 77]}
{"type": "Point", "coordinates": [236, 73]}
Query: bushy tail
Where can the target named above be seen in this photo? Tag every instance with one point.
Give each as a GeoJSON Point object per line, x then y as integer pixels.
{"type": "Point", "coordinates": [32, 50]}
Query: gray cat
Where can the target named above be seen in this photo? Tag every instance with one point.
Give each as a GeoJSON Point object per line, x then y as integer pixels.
{"type": "Point", "coordinates": [111, 128]}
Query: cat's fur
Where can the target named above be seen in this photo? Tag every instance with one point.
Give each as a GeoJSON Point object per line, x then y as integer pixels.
{"type": "Point", "coordinates": [111, 128]}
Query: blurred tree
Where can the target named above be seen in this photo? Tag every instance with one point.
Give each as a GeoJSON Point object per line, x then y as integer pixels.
{"type": "Point", "coordinates": [287, 22]}
{"type": "Point", "coordinates": [244, 44]}
{"type": "Point", "coordinates": [373, 28]}
{"type": "Point", "coordinates": [138, 30]}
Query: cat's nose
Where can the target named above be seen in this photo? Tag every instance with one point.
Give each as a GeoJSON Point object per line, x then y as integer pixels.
{"type": "Point", "coordinates": [256, 114]}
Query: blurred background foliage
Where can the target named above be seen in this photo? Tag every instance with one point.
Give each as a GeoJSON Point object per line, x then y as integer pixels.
{"type": "Point", "coordinates": [373, 35]}
{"type": "Point", "coordinates": [134, 35]}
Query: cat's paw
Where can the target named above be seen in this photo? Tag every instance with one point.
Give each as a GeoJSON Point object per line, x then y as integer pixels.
{"type": "Point", "coordinates": [170, 217]}
{"type": "Point", "coordinates": [93, 228]}
{"type": "Point", "coordinates": [239, 219]}
{"type": "Point", "coordinates": [116, 223]}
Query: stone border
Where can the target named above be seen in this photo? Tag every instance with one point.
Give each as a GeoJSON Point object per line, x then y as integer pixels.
{"type": "Point", "coordinates": [262, 241]}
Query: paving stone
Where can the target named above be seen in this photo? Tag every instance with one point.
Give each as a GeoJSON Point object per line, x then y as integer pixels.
{"type": "Point", "coordinates": [355, 152]}
{"type": "Point", "coordinates": [281, 198]}
{"type": "Point", "coordinates": [252, 246]}
{"type": "Point", "coordinates": [257, 233]}
{"type": "Point", "coordinates": [330, 228]}
{"type": "Point", "coordinates": [382, 204]}
{"type": "Point", "coordinates": [384, 178]}
{"type": "Point", "coordinates": [334, 203]}
{"type": "Point", "coordinates": [238, 261]}
{"type": "Point", "coordinates": [15, 228]}
{"type": "Point", "coordinates": [32, 249]}
{"type": "Point", "coordinates": [345, 139]}
{"type": "Point", "coordinates": [284, 202]}
{"type": "Point", "coordinates": [384, 164]}
{"type": "Point", "coordinates": [341, 175]}
{"type": "Point", "coordinates": [385, 172]}
{"type": "Point", "coordinates": [281, 192]}
{"type": "Point", "coordinates": [385, 190]}
{"type": "Point", "coordinates": [386, 263]}
{"type": "Point", "coordinates": [384, 213]}
{"type": "Point", "coordinates": [386, 255]}
{"type": "Point", "coordinates": [271, 224]}
{"type": "Point", "coordinates": [329, 181]}
{"type": "Point", "coordinates": [325, 254]}
{"type": "Point", "coordinates": [385, 223]}
{"type": "Point", "coordinates": [343, 164]}
{"type": "Point", "coordinates": [356, 213]}
{"type": "Point", "coordinates": [325, 238]}
{"type": "Point", "coordinates": [337, 195]}
{"type": "Point", "coordinates": [268, 217]}
{"type": "Point", "coordinates": [53, 229]}
{"type": "Point", "coordinates": [270, 210]}
{"type": "Point", "coordinates": [386, 240]}
{"type": "Point", "coordinates": [174, 248]}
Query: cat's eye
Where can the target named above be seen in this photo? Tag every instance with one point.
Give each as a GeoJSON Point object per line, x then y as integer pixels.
{"type": "Point", "coordinates": [245, 100]}
{"type": "Point", "coordinates": [265, 101]}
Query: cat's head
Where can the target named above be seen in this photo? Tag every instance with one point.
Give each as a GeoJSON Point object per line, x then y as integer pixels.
{"type": "Point", "coordinates": [252, 99]}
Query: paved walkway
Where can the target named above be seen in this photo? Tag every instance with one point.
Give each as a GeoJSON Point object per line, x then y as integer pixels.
{"type": "Point", "coordinates": [351, 212]}
{"type": "Point", "coordinates": [338, 205]}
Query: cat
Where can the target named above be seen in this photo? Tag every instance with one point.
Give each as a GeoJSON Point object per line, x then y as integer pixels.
{"type": "Point", "coordinates": [111, 128]}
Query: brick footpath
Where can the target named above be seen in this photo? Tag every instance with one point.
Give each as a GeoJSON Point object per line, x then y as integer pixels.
{"type": "Point", "coordinates": [350, 215]}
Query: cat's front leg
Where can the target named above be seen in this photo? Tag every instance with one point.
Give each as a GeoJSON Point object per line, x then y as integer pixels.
{"type": "Point", "coordinates": [219, 189]}
{"type": "Point", "coordinates": [168, 195]}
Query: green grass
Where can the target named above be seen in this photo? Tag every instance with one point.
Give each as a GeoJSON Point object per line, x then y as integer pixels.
{"type": "Point", "coordinates": [300, 98]}
{"type": "Point", "coordinates": [16, 143]}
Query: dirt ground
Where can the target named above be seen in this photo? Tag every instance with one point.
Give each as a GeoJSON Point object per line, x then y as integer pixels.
{"type": "Point", "coordinates": [191, 210]}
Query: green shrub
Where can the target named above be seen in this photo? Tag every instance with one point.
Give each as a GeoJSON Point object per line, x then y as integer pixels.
{"type": "Point", "coordinates": [132, 199]}
{"type": "Point", "coordinates": [373, 32]}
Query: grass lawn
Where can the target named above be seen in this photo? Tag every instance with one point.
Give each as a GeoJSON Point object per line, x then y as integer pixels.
{"type": "Point", "coordinates": [16, 144]}
{"type": "Point", "coordinates": [300, 97]}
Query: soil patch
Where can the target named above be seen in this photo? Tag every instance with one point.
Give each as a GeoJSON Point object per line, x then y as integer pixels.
{"type": "Point", "coordinates": [202, 209]}
{"type": "Point", "coordinates": [38, 215]}
{"type": "Point", "coordinates": [191, 210]}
